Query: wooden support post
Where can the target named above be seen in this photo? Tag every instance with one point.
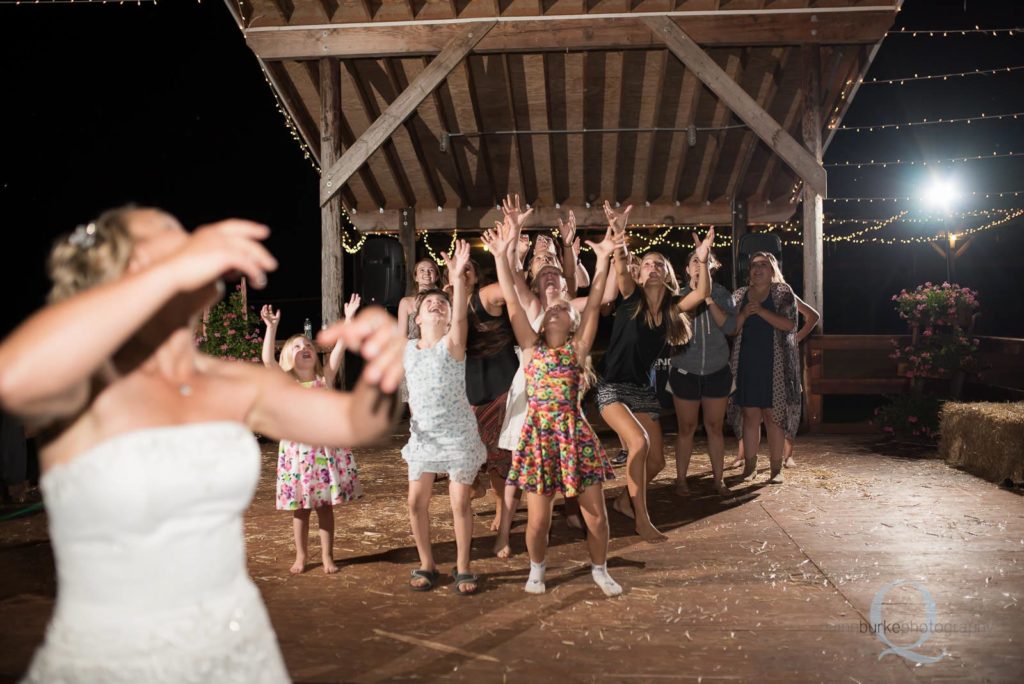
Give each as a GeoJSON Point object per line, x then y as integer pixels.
{"type": "Point", "coordinates": [336, 174]}
{"type": "Point", "coordinates": [407, 238]}
{"type": "Point", "coordinates": [332, 275]}
{"type": "Point", "coordinates": [813, 210]}
{"type": "Point", "coordinates": [739, 229]}
{"type": "Point", "coordinates": [813, 228]}
{"type": "Point", "coordinates": [805, 164]}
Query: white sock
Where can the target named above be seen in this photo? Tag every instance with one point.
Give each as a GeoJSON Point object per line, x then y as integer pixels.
{"type": "Point", "coordinates": [602, 579]}
{"type": "Point", "coordinates": [535, 585]}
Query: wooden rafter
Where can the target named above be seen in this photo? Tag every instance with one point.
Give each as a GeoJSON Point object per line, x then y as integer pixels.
{"type": "Point", "coordinates": [484, 217]}
{"type": "Point", "coordinates": [382, 128]}
{"type": "Point", "coordinates": [766, 128]}
{"type": "Point", "coordinates": [767, 93]}
{"type": "Point", "coordinates": [579, 32]}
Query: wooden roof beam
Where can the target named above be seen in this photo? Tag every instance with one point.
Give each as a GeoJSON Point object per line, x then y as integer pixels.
{"type": "Point", "coordinates": [743, 106]}
{"type": "Point", "coordinates": [831, 26]}
{"type": "Point", "coordinates": [719, 213]}
{"type": "Point", "coordinates": [332, 179]}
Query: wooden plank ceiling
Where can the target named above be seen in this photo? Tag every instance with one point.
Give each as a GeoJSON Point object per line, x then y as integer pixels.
{"type": "Point", "coordinates": [512, 117]}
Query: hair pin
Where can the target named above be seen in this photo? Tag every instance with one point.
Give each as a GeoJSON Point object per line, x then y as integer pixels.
{"type": "Point", "coordinates": [84, 236]}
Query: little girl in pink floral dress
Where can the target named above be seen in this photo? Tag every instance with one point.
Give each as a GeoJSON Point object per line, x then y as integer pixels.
{"type": "Point", "coordinates": [311, 477]}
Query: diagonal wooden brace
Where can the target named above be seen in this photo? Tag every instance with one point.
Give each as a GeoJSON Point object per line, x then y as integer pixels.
{"type": "Point", "coordinates": [742, 105]}
{"type": "Point", "coordinates": [333, 178]}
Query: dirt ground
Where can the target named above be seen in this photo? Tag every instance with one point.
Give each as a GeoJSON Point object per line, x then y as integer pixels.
{"type": "Point", "coordinates": [774, 584]}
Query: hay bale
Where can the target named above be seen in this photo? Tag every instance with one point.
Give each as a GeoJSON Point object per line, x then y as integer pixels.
{"type": "Point", "coordinates": [985, 438]}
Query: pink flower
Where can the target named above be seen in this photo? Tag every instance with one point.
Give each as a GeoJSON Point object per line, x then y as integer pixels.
{"type": "Point", "coordinates": [231, 332]}
{"type": "Point", "coordinates": [911, 419]}
{"type": "Point", "coordinates": [223, 347]}
{"type": "Point", "coordinates": [927, 332]}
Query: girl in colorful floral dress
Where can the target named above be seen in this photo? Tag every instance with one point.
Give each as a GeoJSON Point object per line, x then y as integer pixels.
{"type": "Point", "coordinates": [311, 477]}
{"type": "Point", "coordinates": [558, 451]}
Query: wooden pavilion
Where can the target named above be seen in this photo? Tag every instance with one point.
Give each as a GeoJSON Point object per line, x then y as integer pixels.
{"type": "Point", "coordinates": [423, 114]}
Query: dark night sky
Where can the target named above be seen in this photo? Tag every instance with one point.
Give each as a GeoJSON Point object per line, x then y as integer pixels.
{"type": "Point", "coordinates": [164, 105]}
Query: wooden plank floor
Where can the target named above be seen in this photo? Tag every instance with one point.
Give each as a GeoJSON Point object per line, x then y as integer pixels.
{"type": "Point", "coordinates": [775, 584]}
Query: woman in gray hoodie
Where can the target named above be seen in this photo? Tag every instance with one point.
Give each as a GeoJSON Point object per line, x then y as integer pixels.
{"type": "Point", "coordinates": [700, 377]}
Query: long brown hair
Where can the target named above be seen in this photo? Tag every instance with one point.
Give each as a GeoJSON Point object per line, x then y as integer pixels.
{"type": "Point", "coordinates": [677, 324]}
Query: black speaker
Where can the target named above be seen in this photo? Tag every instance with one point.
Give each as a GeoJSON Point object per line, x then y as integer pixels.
{"type": "Point", "coordinates": [751, 243]}
{"type": "Point", "coordinates": [381, 271]}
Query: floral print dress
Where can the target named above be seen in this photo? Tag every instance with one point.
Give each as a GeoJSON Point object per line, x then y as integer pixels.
{"type": "Point", "coordinates": [558, 451]}
{"type": "Point", "coordinates": [314, 476]}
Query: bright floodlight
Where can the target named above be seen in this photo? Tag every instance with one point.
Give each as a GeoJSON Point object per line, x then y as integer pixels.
{"type": "Point", "coordinates": [942, 194]}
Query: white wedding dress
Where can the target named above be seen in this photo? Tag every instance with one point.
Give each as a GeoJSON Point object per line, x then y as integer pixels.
{"type": "Point", "coordinates": [151, 579]}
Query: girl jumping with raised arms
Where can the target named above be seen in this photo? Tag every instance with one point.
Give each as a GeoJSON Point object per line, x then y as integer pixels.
{"type": "Point", "coordinates": [558, 451]}
{"type": "Point", "coordinates": [443, 436]}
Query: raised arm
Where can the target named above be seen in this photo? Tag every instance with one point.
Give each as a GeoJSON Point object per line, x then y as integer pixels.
{"type": "Point", "coordinates": [500, 241]}
{"type": "Point", "coordinates": [567, 233]}
{"type": "Point", "coordinates": [703, 290]}
{"type": "Point", "coordinates": [618, 221]}
{"type": "Point", "coordinates": [811, 318]}
{"type": "Point", "coordinates": [283, 409]}
{"type": "Point", "coordinates": [592, 312]}
{"type": "Point", "coordinates": [271, 319]}
{"type": "Point", "coordinates": [337, 356]}
{"type": "Point", "coordinates": [42, 377]}
{"type": "Point", "coordinates": [493, 296]}
{"type": "Point", "coordinates": [582, 277]}
{"type": "Point", "coordinates": [459, 329]}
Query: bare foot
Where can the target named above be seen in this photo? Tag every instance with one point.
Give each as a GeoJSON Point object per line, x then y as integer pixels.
{"type": "Point", "coordinates": [790, 462]}
{"type": "Point", "coordinates": [722, 490]}
{"type": "Point", "coordinates": [738, 463]}
{"type": "Point", "coordinates": [650, 534]}
{"type": "Point", "coordinates": [501, 546]}
{"type": "Point", "coordinates": [681, 489]}
{"type": "Point", "coordinates": [329, 567]}
{"type": "Point", "coordinates": [623, 505]}
{"type": "Point", "coordinates": [299, 566]}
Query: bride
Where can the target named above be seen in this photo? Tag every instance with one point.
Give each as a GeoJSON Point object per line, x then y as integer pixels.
{"type": "Point", "coordinates": [147, 453]}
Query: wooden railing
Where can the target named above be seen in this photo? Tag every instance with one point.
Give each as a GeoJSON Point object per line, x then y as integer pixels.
{"type": "Point", "coordinates": [860, 365]}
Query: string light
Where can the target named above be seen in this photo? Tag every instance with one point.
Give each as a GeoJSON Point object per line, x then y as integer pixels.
{"type": "Point", "coordinates": [915, 162]}
{"type": "Point", "coordinates": [289, 122]}
{"type": "Point", "coordinates": [924, 122]}
{"type": "Point", "coordinates": [935, 77]}
{"type": "Point", "coordinates": [946, 33]}
{"type": "Point", "coordinates": [430, 250]}
{"type": "Point", "coordinates": [76, 2]}
{"type": "Point", "coordinates": [871, 200]}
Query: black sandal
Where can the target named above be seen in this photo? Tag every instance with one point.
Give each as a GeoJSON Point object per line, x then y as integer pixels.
{"type": "Point", "coordinates": [431, 576]}
{"type": "Point", "coordinates": [464, 578]}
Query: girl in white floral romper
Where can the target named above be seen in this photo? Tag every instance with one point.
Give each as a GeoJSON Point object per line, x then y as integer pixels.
{"type": "Point", "coordinates": [443, 435]}
{"type": "Point", "coordinates": [311, 477]}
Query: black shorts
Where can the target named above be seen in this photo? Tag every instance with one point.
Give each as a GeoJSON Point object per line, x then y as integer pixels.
{"type": "Point", "coordinates": [692, 387]}
{"type": "Point", "coordinates": [637, 398]}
